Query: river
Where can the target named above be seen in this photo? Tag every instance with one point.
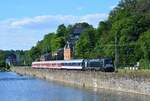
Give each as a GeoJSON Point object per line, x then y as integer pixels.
{"type": "Point", "coordinates": [14, 87]}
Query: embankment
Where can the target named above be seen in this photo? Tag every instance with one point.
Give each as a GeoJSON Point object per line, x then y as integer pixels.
{"type": "Point", "coordinates": [91, 79]}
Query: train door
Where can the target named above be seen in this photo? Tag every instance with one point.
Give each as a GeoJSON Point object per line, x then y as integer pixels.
{"type": "Point", "coordinates": [84, 64]}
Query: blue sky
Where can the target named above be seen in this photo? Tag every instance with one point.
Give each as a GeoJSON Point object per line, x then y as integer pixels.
{"type": "Point", "coordinates": [24, 22]}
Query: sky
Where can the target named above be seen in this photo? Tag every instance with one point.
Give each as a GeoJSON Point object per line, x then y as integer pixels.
{"type": "Point", "coordinates": [24, 22]}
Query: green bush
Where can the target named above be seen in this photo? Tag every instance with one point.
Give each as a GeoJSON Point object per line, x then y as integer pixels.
{"type": "Point", "coordinates": [144, 64]}
{"type": "Point", "coordinates": [4, 66]}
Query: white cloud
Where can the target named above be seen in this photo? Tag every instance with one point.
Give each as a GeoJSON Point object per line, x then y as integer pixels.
{"type": "Point", "coordinates": [25, 32]}
{"type": "Point", "coordinates": [52, 21]}
{"type": "Point", "coordinates": [80, 8]}
{"type": "Point", "coordinates": [113, 6]}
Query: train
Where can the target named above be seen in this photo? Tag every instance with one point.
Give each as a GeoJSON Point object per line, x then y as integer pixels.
{"type": "Point", "coordinates": [104, 64]}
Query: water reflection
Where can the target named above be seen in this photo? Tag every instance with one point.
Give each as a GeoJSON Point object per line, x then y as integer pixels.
{"type": "Point", "coordinates": [23, 88]}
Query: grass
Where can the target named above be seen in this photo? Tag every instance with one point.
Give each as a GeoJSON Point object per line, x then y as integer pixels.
{"type": "Point", "coordinates": [134, 73]}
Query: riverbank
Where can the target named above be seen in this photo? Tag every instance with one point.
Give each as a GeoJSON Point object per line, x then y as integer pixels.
{"type": "Point", "coordinates": [121, 81]}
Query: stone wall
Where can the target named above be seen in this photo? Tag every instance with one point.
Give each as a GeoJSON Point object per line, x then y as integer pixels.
{"type": "Point", "coordinates": [91, 79]}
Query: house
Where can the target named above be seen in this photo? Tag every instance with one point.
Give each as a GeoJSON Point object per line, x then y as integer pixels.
{"type": "Point", "coordinates": [75, 35]}
{"type": "Point", "coordinates": [58, 55]}
{"type": "Point", "coordinates": [11, 59]}
{"type": "Point", "coordinates": [46, 57]}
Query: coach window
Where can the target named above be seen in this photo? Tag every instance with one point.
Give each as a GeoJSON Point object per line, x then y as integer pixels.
{"type": "Point", "coordinates": [73, 64]}
{"type": "Point", "coordinates": [65, 64]}
{"type": "Point", "coordinates": [78, 64]}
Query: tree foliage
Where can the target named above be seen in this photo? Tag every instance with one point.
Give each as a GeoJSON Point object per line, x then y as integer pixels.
{"type": "Point", "coordinates": [130, 23]}
{"type": "Point", "coordinates": [86, 43]}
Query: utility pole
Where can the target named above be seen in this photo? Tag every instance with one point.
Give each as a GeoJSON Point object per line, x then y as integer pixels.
{"type": "Point", "coordinates": [116, 52]}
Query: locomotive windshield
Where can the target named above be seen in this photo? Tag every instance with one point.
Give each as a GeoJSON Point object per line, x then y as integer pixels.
{"type": "Point", "coordinates": [108, 61]}
{"type": "Point", "coordinates": [94, 64]}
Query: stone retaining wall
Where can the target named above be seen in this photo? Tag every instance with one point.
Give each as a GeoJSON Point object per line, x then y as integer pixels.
{"type": "Point", "coordinates": [91, 79]}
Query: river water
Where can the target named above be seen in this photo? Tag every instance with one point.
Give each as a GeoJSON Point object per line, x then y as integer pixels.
{"type": "Point", "coordinates": [14, 87]}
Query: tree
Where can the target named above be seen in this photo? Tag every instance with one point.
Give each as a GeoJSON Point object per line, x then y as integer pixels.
{"type": "Point", "coordinates": [86, 43]}
{"type": "Point", "coordinates": [3, 65]}
{"type": "Point", "coordinates": [61, 30]}
{"type": "Point", "coordinates": [34, 53]}
{"type": "Point", "coordinates": [57, 43]}
{"type": "Point", "coordinates": [144, 41]}
{"type": "Point", "coordinates": [46, 46]}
